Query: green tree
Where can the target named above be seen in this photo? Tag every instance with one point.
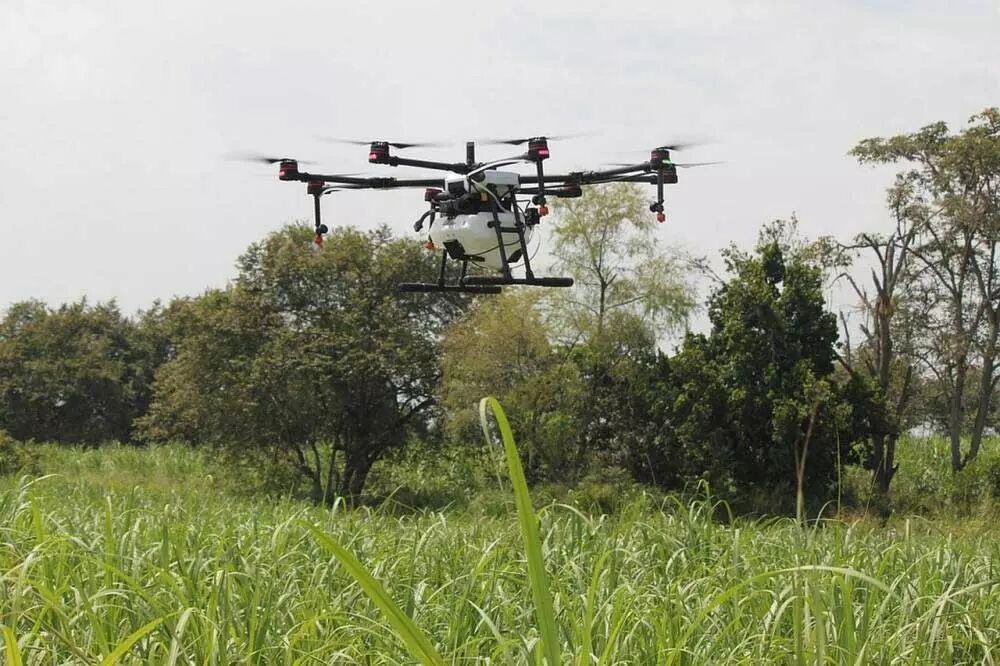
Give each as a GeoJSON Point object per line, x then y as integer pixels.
{"type": "Point", "coordinates": [501, 348]}
{"type": "Point", "coordinates": [952, 189]}
{"type": "Point", "coordinates": [606, 241]}
{"type": "Point", "coordinates": [629, 294]}
{"type": "Point", "coordinates": [755, 406]}
{"type": "Point", "coordinates": [69, 374]}
{"type": "Point", "coordinates": [310, 357]}
{"type": "Point", "coordinates": [885, 353]}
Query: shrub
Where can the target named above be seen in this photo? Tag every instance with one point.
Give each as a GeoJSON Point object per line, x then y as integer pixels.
{"type": "Point", "coordinates": [16, 456]}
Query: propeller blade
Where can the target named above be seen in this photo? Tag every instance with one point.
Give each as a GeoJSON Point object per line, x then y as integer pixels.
{"type": "Point", "coordinates": [262, 159]}
{"type": "Point", "coordinates": [683, 145]}
{"type": "Point", "coordinates": [395, 144]}
{"type": "Point", "coordinates": [547, 137]}
{"type": "Point", "coordinates": [688, 165]}
{"type": "Point", "coordinates": [683, 165]}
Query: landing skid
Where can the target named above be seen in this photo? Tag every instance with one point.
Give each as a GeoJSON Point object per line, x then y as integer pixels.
{"type": "Point", "coordinates": [527, 281]}
{"type": "Point", "coordinates": [433, 287]}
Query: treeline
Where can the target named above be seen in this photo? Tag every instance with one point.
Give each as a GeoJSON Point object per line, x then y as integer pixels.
{"type": "Point", "coordinates": [310, 364]}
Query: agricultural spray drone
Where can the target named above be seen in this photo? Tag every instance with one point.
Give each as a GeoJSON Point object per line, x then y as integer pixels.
{"type": "Point", "coordinates": [474, 215]}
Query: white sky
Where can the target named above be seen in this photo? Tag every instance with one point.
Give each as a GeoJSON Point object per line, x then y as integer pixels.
{"type": "Point", "coordinates": [115, 115]}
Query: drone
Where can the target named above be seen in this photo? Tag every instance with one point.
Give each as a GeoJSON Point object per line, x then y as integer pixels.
{"type": "Point", "coordinates": [474, 214]}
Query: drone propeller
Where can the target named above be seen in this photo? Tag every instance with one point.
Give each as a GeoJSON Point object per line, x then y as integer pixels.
{"type": "Point", "coordinates": [521, 142]}
{"type": "Point", "coordinates": [395, 144]}
{"type": "Point", "coordinates": [688, 165]}
{"type": "Point", "coordinates": [682, 165]}
{"type": "Point", "coordinates": [682, 145]}
{"type": "Point", "coordinates": [263, 159]}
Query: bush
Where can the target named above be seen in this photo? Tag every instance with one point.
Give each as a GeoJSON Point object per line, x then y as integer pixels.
{"type": "Point", "coordinates": [925, 484]}
{"type": "Point", "coordinates": [16, 456]}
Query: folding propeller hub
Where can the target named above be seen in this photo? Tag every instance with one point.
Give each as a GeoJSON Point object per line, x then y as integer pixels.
{"type": "Point", "coordinates": [538, 148]}
{"type": "Point", "coordinates": [378, 153]}
{"type": "Point", "coordinates": [659, 158]}
{"type": "Point", "coordinates": [288, 170]}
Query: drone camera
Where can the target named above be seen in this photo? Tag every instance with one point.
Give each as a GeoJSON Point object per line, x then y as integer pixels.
{"type": "Point", "coordinates": [288, 170]}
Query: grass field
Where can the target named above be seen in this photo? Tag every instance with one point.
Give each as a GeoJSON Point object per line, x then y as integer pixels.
{"type": "Point", "coordinates": [141, 556]}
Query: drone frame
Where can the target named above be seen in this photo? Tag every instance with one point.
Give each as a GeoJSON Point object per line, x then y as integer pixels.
{"type": "Point", "coordinates": [658, 170]}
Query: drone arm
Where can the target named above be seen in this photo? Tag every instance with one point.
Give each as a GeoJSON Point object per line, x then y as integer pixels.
{"type": "Point", "coordinates": [370, 182]}
{"type": "Point", "coordinates": [588, 177]}
{"type": "Point", "coordinates": [392, 160]}
{"type": "Point", "coordinates": [568, 191]}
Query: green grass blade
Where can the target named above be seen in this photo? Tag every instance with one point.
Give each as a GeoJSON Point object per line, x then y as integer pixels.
{"type": "Point", "coordinates": [129, 641]}
{"type": "Point", "coordinates": [415, 640]}
{"type": "Point", "coordinates": [529, 529]}
{"type": "Point", "coordinates": [11, 650]}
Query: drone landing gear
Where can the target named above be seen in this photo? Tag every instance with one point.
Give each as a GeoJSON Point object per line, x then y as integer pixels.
{"type": "Point", "coordinates": [442, 286]}
{"type": "Point", "coordinates": [532, 281]}
{"type": "Point", "coordinates": [432, 287]}
{"type": "Point", "coordinates": [491, 284]}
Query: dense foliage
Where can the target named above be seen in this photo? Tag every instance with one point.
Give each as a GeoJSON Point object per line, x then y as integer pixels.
{"type": "Point", "coordinates": [309, 358]}
{"type": "Point", "coordinates": [77, 374]}
{"type": "Point", "coordinates": [309, 367]}
{"type": "Point", "coordinates": [755, 407]}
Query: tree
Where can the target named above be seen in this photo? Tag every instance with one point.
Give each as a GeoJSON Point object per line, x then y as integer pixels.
{"type": "Point", "coordinates": [311, 357]}
{"type": "Point", "coordinates": [69, 374]}
{"type": "Point", "coordinates": [629, 294]}
{"type": "Point", "coordinates": [501, 348]}
{"type": "Point", "coordinates": [755, 406]}
{"type": "Point", "coordinates": [885, 355]}
{"type": "Point", "coordinates": [606, 242]}
{"type": "Point", "coordinates": [953, 189]}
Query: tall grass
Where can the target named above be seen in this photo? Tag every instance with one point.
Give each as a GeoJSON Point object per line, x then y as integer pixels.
{"type": "Point", "coordinates": [152, 573]}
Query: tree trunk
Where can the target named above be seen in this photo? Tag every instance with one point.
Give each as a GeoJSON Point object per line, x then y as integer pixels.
{"type": "Point", "coordinates": [955, 421]}
{"type": "Point", "coordinates": [317, 476]}
{"type": "Point", "coordinates": [885, 469]}
{"type": "Point", "coordinates": [985, 393]}
{"type": "Point", "coordinates": [313, 474]}
{"type": "Point", "coordinates": [331, 477]}
{"type": "Point", "coordinates": [356, 468]}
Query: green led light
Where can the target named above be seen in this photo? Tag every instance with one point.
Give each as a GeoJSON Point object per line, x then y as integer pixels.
{"type": "Point", "coordinates": [667, 161]}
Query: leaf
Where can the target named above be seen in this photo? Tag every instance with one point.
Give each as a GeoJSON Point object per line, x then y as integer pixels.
{"type": "Point", "coordinates": [544, 613]}
{"type": "Point", "coordinates": [415, 640]}
{"type": "Point", "coordinates": [10, 647]}
{"type": "Point", "coordinates": [130, 640]}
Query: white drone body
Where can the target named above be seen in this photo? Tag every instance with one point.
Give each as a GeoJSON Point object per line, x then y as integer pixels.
{"type": "Point", "coordinates": [473, 235]}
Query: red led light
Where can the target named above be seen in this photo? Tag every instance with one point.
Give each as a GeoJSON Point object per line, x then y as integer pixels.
{"type": "Point", "coordinates": [660, 217]}
{"type": "Point", "coordinates": [372, 157]}
{"type": "Point", "coordinates": [543, 211]}
{"type": "Point", "coordinates": [429, 245]}
{"type": "Point", "coordinates": [543, 152]}
{"type": "Point", "coordinates": [318, 240]}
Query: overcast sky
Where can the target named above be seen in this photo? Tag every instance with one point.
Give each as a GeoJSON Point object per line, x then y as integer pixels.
{"type": "Point", "coordinates": [116, 116]}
